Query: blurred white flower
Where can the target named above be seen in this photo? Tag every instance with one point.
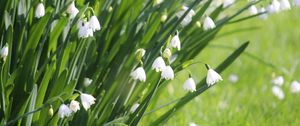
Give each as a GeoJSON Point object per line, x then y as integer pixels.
{"type": "Point", "coordinates": [87, 82]}
{"type": "Point", "coordinates": [263, 16]}
{"type": "Point", "coordinates": [233, 78]}
{"type": "Point", "coordinates": [167, 53]}
{"type": "Point", "coordinates": [167, 73]}
{"type": "Point", "coordinates": [21, 8]}
{"type": "Point", "coordinates": [295, 87]}
{"type": "Point", "coordinates": [208, 23]}
{"type": "Point", "coordinates": [159, 64]}
{"type": "Point", "coordinates": [212, 76]}
{"type": "Point", "coordinates": [94, 23]}
{"type": "Point", "coordinates": [74, 106]}
{"type": "Point", "coordinates": [64, 111]}
{"type": "Point", "coordinates": [72, 10]}
{"type": "Point", "coordinates": [227, 3]}
{"type": "Point", "coordinates": [134, 107]}
{"type": "Point", "coordinates": [4, 52]}
{"type": "Point", "coordinates": [84, 30]}
{"type": "Point", "coordinates": [175, 42]}
{"type": "Point", "coordinates": [192, 124]}
{"type": "Point", "coordinates": [285, 5]}
{"type": "Point", "coordinates": [189, 85]}
{"type": "Point", "coordinates": [156, 2]}
{"type": "Point", "coordinates": [278, 81]}
{"type": "Point", "coordinates": [188, 18]}
{"type": "Point", "coordinates": [297, 2]}
{"type": "Point", "coordinates": [139, 74]}
{"type": "Point", "coordinates": [87, 100]}
{"type": "Point", "coordinates": [253, 10]}
{"type": "Point", "coordinates": [274, 7]}
{"type": "Point", "coordinates": [277, 91]}
{"type": "Point", "coordinates": [40, 10]}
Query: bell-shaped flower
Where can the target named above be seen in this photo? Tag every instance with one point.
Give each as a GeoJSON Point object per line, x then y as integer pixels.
{"type": "Point", "coordinates": [64, 111]}
{"type": "Point", "coordinates": [188, 18]}
{"type": "Point", "coordinates": [295, 87]}
{"type": "Point", "coordinates": [285, 5]}
{"type": "Point", "coordinates": [87, 100]}
{"type": "Point", "coordinates": [278, 81]}
{"type": "Point", "coordinates": [212, 76]}
{"type": "Point", "coordinates": [175, 41]}
{"type": "Point", "coordinates": [74, 106]}
{"type": "Point", "coordinates": [84, 30]}
{"type": "Point", "coordinates": [167, 73]}
{"type": "Point", "coordinates": [277, 91]}
{"type": "Point", "coordinates": [189, 85]}
{"type": "Point", "coordinates": [159, 64]}
{"type": "Point", "coordinates": [208, 23]}
{"type": "Point", "coordinates": [94, 23]}
{"type": "Point", "coordinates": [139, 74]}
{"type": "Point", "coordinates": [72, 10]}
{"type": "Point", "coordinates": [40, 10]}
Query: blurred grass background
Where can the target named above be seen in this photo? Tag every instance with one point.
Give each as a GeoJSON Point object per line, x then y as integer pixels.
{"type": "Point", "coordinates": [249, 101]}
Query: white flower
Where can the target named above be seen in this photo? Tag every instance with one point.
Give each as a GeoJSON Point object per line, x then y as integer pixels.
{"type": "Point", "coordinates": [285, 5]}
{"type": "Point", "coordinates": [277, 91]}
{"type": "Point", "coordinates": [64, 111]}
{"type": "Point", "coordinates": [208, 23]}
{"type": "Point", "coordinates": [94, 23]}
{"type": "Point", "coordinates": [134, 107]}
{"type": "Point", "coordinates": [188, 18]}
{"type": "Point", "coordinates": [40, 10]}
{"type": "Point", "coordinates": [274, 7]}
{"type": "Point", "coordinates": [175, 42]}
{"type": "Point", "coordinates": [233, 78]}
{"type": "Point", "coordinates": [253, 10]}
{"type": "Point", "coordinates": [212, 76]}
{"type": "Point", "coordinates": [159, 64]}
{"type": "Point", "coordinates": [263, 16]}
{"type": "Point", "coordinates": [87, 100]}
{"type": "Point", "coordinates": [295, 87]}
{"type": "Point", "coordinates": [87, 82]}
{"type": "Point", "coordinates": [189, 85]}
{"type": "Point", "coordinates": [84, 30]}
{"type": "Point", "coordinates": [21, 8]}
{"type": "Point", "coordinates": [139, 74]}
{"type": "Point", "coordinates": [167, 73]}
{"type": "Point", "coordinates": [227, 3]}
{"type": "Point", "coordinates": [278, 81]}
{"type": "Point", "coordinates": [192, 124]}
{"type": "Point", "coordinates": [297, 2]}
{"type": "Point", "coordinates": [74, 106]}
{"type": "Point", "coordinates": [72, 10]}
{"type": "Point", "coordinates": [4, 52]}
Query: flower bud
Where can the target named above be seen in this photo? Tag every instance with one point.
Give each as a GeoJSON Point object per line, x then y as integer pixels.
{"type": "Point", "coordinates": [167, 53]}
{"type": "Point", "coordinates": [50, 111]}
{"type": "Point", "coordinates": [110, 8]}
{"type": "Point", "coordinates": [87, 82]}
{"type": "Point", "coordinates": [198, 24]}
{"type": "Point", "coordinates": [163, 18]}
{"type": "Point", "coordinates": [139, 54]}
{"type": "Point", "coordinates": [4, 52]}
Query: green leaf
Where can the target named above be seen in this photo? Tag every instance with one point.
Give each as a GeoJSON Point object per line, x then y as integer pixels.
{"type": "Point", "coordinates": [31, 105]}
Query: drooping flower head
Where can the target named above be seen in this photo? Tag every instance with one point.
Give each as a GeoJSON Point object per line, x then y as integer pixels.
{"type": "Point", "coordinates": [188, 18]}
{"type": "Point", "coordinates": [175, 41]}
{"type": "Point", "coordinates": [84, 30]}
{"type": "Point", "coordinates": [87, 82]}
{"type": "Point", "coordinates": [278, 81]}
{"type": "Point", "coordinates": [64, 111]}
{"type": "Point", "coordinates": [74, 106]}
{"type": "Point", "coordinates": [285, 5]}
{"type": "Point", "coordinates": [253, 10]}
{"type": "Point", "coordinates": [212, 76]}
{"type": "Point", "coordinates": [167, 73]}
{"type": "Point", "coordinates": [40, 10]}
{"type": "Point", "coordinates": [94, 23]}
{"type": "Point", "coordinates": [87, 100]}
{"type": "Point", "coordinates": [159, 64]}
{"type": "Point", "coordinates": [139, 74]}
{"type": "Point", "coordinates": [208, 23]}
{"type": "Point", "coordinates": [4, 52]}
{"type": "Point", "coordinates": [72, 10]}
{"type": "Point", "coordinates": [189, 85]}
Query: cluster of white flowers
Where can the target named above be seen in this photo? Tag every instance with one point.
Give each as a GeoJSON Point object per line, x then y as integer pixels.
{"type": "Point", "coordinates": [278, 84]}
{"type": "Point", "coordinates": [66, 111]}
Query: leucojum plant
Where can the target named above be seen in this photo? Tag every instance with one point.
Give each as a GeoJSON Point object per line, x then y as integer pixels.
{"type": "Point", "coordinates": [59, 66]}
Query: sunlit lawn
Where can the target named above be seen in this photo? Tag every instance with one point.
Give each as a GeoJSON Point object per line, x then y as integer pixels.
{"type": "Point", "coordinates": [249, 101]}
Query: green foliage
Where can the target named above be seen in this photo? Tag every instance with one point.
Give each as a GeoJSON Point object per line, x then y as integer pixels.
{"type": "Point", "coordinates": [47, 63]}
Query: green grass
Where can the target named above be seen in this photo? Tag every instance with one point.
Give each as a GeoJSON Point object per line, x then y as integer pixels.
{"type": "Point", "coordinates": [249, 101]}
